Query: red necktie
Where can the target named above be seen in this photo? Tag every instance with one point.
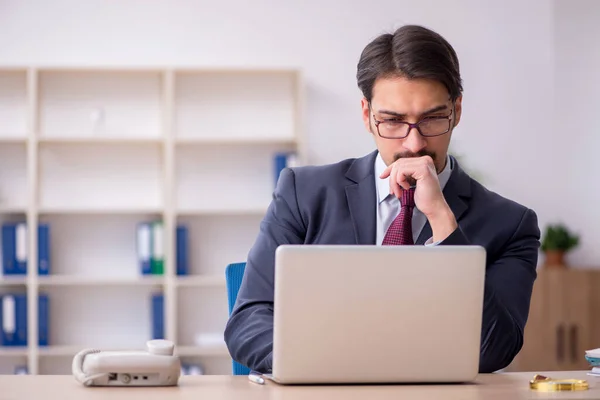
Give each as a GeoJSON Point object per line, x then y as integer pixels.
{"type": "Point", "coordinates": [400, 231]}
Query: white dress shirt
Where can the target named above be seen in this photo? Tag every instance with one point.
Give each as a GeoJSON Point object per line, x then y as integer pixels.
{"type": "Point", "coordinates": [388, 205]}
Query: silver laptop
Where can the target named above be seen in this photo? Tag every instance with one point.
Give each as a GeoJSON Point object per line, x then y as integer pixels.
{"type": "Point", "coordinates": [377, 314]}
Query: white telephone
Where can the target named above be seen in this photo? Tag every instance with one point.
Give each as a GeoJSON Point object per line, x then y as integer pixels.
{"type": "Point", "coordinates": [157, 366]}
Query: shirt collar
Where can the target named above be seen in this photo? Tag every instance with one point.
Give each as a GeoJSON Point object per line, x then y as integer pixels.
{"type": "Point", "coordinates": [383, 185]}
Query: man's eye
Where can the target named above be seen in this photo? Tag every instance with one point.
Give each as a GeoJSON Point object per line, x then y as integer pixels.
{"type": "Point", "coordinates": [393, 123]}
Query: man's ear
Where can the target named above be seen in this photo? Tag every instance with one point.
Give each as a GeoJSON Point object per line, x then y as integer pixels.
{"type": "Point", "coordinates": [457, 110]}
{"type": "Point", "coordinates": [366, 114]}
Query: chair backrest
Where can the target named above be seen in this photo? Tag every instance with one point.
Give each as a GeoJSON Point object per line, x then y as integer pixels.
{"type": "Point", "coordinates": [234, 273]}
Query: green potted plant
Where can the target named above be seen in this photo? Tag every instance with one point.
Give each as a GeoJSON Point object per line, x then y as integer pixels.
{"type": "Point", "coordinates": [557, 241]}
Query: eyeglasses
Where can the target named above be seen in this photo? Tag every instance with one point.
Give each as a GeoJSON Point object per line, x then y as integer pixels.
{"type": "Point", "coordinates": [395, 128]}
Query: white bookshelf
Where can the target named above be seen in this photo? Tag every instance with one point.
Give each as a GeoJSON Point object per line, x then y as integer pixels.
{"type": "Point", "coordinates": [93, 152]}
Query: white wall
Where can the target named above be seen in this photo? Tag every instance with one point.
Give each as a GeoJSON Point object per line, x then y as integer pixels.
{"type": "Point", "coordinates": [577, 121]}
{"type": "Point", "coordinates": [506, 50]}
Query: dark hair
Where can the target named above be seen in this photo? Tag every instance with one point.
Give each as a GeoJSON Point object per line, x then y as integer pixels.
{"type": "Point", "coordinates": [412, 52]}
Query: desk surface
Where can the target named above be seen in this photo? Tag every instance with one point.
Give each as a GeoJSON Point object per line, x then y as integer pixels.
{"type": "Point", "coordinates": [487, 386]}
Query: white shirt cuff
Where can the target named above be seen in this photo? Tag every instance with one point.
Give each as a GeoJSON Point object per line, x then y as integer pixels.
{"type": "Point", "coordinates": [430, 242]}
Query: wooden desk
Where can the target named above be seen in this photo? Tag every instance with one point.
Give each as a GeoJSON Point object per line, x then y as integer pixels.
{"type": "Point", "coordinates": [488, 387]}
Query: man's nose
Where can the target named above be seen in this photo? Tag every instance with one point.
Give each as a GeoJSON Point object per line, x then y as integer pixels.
{"type": "Point", "coordinates": [414, 142]}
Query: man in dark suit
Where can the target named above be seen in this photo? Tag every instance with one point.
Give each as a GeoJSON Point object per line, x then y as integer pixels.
{"type": "Point", "coordinates": [409, 191]}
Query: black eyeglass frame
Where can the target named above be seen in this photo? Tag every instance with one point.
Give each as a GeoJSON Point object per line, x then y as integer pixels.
{"type": "Point", "coordinates": [415, 125]}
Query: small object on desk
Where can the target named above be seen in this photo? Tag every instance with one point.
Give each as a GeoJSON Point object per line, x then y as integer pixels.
{"type": "Point", "coordinates": [543, 383]}
{"type": "Point", "coordinates": [593, 357]}
{"type": "Point", "coordinates": [256, 379]}
{"type": "Point", "coordinates": [593, 353]}
{"type": "Point", "coordinates": [594, 372]}
{"type": "Point", "coordinates": [156, 366]}
{"type": "Point", "coordinates": [594, 361]}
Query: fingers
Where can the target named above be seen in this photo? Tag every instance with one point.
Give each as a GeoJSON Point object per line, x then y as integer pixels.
{"type": "Point", "coordinates": [405, 173]}
{"type": "Point", "coordinates": [399, 181]}
{"type": "Point", "coordinates": [396, 186]}
{"type": "Point", "coordinates": [405, 179]}
{"type": "Point", "coordinates": [386, 172]}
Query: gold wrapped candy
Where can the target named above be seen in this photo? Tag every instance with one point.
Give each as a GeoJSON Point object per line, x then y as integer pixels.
{"type": "Point", "coordinates": [544, 384]}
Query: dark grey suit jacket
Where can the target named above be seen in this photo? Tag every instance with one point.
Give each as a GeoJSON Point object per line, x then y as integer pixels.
{"type": "Point", "coordinates": [336, 204]}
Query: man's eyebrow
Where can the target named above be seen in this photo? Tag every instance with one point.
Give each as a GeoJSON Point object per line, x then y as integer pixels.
{"type": "Point", "coordinates": [400, 115]}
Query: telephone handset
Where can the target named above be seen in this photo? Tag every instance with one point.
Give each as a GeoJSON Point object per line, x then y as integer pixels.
{"type": "Point", "coordinates": [157, 366]}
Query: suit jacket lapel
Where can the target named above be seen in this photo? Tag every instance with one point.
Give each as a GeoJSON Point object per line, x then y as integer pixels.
{"type": "Point", "coordinates": [362, 198]}
{"type": "Point", "coordinates": [456, 192]}
{"type": "Point", "coordinates": [425, 234]}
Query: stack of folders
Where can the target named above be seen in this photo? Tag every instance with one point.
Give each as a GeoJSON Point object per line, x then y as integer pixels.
{"type": "Point", "coordinates": [283, 160]}
{"type": "Point", "coordinates": [151, 262]}
{"type": "Point", "coordinates": [150, 248]}
{"type": "Point", "coordinates": [15, 249]}
{"type": "Point", "coordinates": [13, 314]}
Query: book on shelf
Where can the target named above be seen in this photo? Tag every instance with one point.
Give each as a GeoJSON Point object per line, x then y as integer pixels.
{"type": "Point", "coordinates": [181, 244]}
{"type": "Point", "coordinates": [13, 315]}
{"type": "Point", "coordinates": [157, 316]}
{"type": "Point", "coordinates": [15, 248]}
{"type": "Point", "coordinates": [158, 252]}
{"type": "Point", "coordinates": [144, 247]}
{"type": "Point", "coordinates": [43, 249]}
{"type": "Point", "coordinates": [150, 248]}
{"type": "Point", "coordinates": [43, 320]}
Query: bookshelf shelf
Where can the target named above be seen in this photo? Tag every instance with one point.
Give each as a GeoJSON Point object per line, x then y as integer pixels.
{"type": "Point", "coordinates": [66, 280]}
{"type": "Point", "coordinates": [8, 280]}
{"type": "Point", "coordinates": [258, 211]}
{"type": "Point", "coordinates": [106, 211]}
{"type": "Point", "coordinates": [201, 281]}
{"type": "Point", "coordinates": [100, 176]}
{"type": "Point", "coordinates": [230, 140]}
{"type": "Point", "coordinates": [201, 351]}
{"type": "Point", "coordinates": [103, 316]}
{"type": "Point", "coordinates": [109, 140]}
{"type": "Point", "coordinates": [94, 102]}
{"type": "Point", "coordinates": [12, 209]}
{"type": "Point", "coordinates": [71, 350]}
{"type": "Point", "coordinates": [219, 104]}
{"type": "Point", "coordinates": [13, 104]}
{"type": "Point", "coordinates": [95, 154]}
{"type": "Point", "coordinates": [209, 306]}
{"type": "Point", "coordinates": [7, 138]}
{"type": "Point", "coordinates": [13, 351]}
{"type": "Point", "coordinates": [13, 178]}
{"type": "Point", "coordinates": [60, 351]}
{"type": "Point", "coordinates": [216, 166]}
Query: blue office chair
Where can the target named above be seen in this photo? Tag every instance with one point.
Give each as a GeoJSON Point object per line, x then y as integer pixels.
{"type": "Point", "coordinates": [234, 273]}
